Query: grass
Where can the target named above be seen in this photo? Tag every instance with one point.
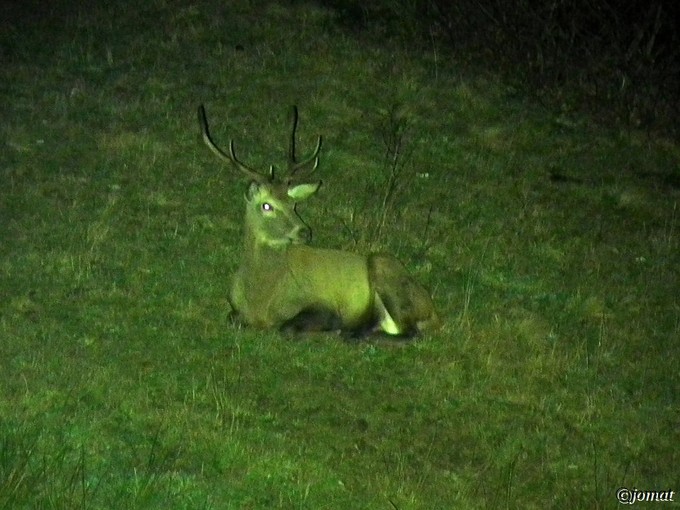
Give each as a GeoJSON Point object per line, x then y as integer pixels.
{"type": "Point", "coordinates": [551, 247]}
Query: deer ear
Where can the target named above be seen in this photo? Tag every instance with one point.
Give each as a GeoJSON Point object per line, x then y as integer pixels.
{"type": "Point", "coordinates": [253, 188]}
{"type": "Point", "coordinates": [303, 191]}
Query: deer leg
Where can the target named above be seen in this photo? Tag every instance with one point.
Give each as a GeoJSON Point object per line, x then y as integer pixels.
{"type": "Point", "coordinates": [234, 316]}
{"type": "Point", "coordinates": [402, 305]}
{"type": "Point", "coordinates": [313, 319]}
{"type": "Point", "coordinates": [391, 301]}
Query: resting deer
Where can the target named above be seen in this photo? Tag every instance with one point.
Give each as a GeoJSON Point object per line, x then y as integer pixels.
{"type": "Point", "coordinates": [283, 283]}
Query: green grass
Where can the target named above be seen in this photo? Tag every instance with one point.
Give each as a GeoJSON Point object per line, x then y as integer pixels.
{"type": "Point", "coordinates": [554, 381]}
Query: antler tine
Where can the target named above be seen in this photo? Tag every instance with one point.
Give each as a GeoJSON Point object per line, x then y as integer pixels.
{"type": "Point", "coordinates": [293, 164]}
{"type": "Point", "coordinates": [231, 157]}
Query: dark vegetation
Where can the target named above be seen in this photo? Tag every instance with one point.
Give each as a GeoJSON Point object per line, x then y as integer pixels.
{"type": "Point", "coordinates": [618, 61]}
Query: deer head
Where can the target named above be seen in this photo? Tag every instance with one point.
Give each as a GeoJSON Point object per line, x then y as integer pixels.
{"type": "Point", "coordinates": [271, 216]}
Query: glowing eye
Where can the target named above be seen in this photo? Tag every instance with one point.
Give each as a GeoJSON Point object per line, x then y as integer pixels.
{"type": "Point", "coordinates": [267, 207]}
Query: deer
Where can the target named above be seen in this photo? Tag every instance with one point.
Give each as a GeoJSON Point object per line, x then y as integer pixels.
{"type": "Point", "coordinates": [284, 283]}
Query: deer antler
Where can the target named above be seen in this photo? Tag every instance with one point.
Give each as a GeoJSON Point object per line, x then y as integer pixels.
{"type": "Point", "coordinates": [293, 164]}
{"type": "Point", "coordinates": [231, 157]}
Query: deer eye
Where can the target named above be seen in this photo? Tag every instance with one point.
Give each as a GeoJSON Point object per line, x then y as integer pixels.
{"type": "Point", "coordinates": [267, 207]}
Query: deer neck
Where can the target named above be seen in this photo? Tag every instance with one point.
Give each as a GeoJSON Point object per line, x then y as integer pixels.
{"type": "Point", "coordinates": [260, 256]}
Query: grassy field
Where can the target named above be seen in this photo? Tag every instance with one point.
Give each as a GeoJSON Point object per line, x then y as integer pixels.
{"type": "Point", "coordinates": [551, 247]}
